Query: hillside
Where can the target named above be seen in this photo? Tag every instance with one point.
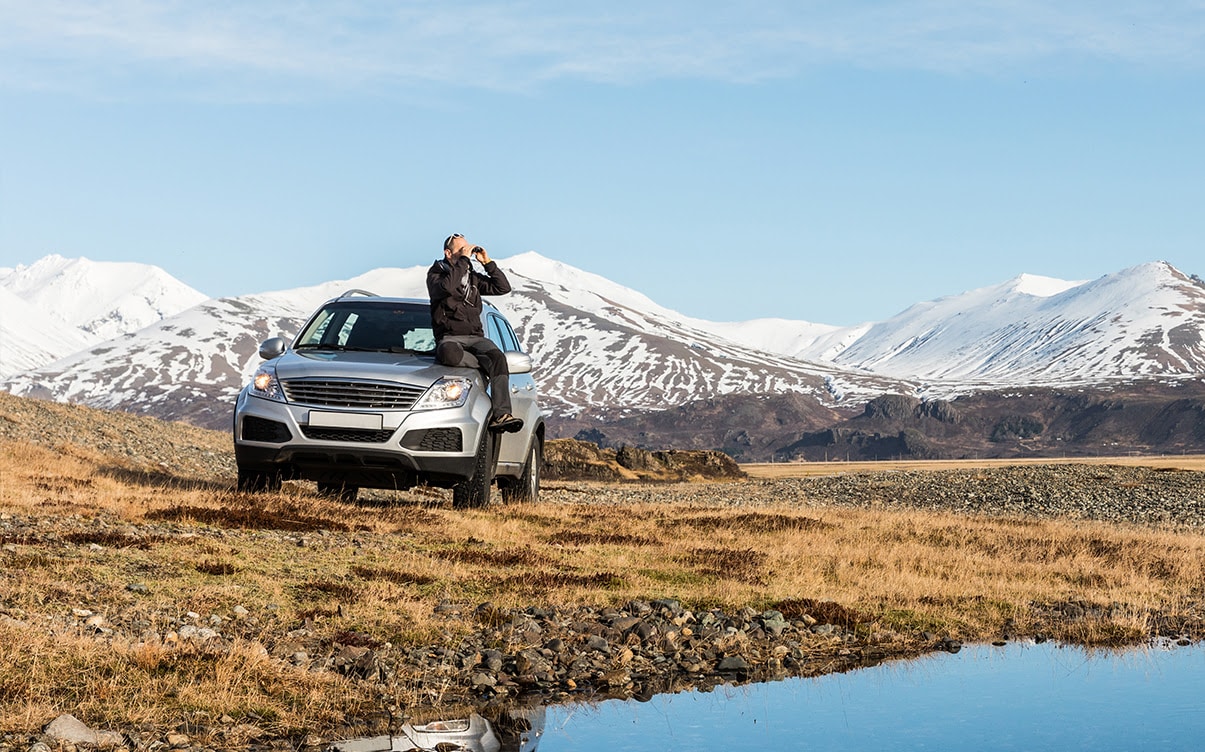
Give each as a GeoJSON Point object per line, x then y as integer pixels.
{"type": "Point", "coordinates": [1144, 417]}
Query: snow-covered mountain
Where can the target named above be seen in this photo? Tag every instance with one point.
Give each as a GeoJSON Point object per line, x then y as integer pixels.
{"type": "Point", "coordinates": [599, 348]}
{"type": "Point", "coordinates": [1148, 320]}
{"type": "Point", "coordinates": [98, 299]}
{"type": "Point", "coordinates": [30, 338]}
{"type": "Point", "coordinates": [603, 350]}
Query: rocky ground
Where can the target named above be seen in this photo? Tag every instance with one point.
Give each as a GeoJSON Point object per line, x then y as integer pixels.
{"type": "Point", "coordinates": [1108, 493]}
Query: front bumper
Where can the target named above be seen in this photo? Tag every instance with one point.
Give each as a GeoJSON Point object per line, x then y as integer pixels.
{"type": "Point", "coordinates": [435, 447]}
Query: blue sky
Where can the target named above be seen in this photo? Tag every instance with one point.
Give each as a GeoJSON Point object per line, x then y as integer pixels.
{"type": "Point", "coordinates": [833, 162]}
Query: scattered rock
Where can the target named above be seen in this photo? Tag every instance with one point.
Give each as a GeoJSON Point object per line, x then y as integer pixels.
{"type": "Point", "coordinates": [67, 729]}
{"type": "Point", "coordinates": [732, 664]}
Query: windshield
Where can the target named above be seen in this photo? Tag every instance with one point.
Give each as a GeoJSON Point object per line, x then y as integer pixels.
{"type": "Point", "coordinates": [369, 325]}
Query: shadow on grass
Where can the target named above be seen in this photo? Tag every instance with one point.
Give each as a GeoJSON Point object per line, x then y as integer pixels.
{"type": "Point", "coordinates": [158, 479]}
{"type": "Point", "coordinates": [236, 514]}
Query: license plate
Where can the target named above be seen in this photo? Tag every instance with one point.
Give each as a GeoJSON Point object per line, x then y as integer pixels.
{"type": "Point", "coordinates": [345, 420]}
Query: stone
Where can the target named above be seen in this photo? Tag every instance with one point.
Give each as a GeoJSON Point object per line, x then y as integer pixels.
{"type": "Point", "coordinates": [674, 607]}
{"type": "Point", "coordinates": [617, 679]}
{"type": "Point", "coordinates": [241, 612]}
{"type": "Point", "coordinates": [732, 663]}
{"type": "Point", "coordinates": [491, 659]}
{"type": "Point", "coordinates": [67, 729]}
{"type": "Point", "coordinates": [624, 623]}
{"type": "Point", "coordinates": [177, 741]}
{"type": "Point", "coordinates": [138, 587]}
{"type": "Point", "coordinates": [530, 662]}
{"type": "Point", "coordinates": [482, 679]}
{"type": "Point", "coordinates": [645, 630]}
{"type": "Point", "coordinates": [598, 644]}
{"type": "Point", "coordinates": [776, 627]}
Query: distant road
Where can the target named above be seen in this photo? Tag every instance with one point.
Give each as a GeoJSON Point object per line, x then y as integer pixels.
{"type": "Point", "coordinates": [813, 469]}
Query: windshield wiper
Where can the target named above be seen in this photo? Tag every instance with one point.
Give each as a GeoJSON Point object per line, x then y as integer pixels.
{"type": "Point", "coordinates": [393, 349]}
{"type": "Point", "coordinates": [321, 346]}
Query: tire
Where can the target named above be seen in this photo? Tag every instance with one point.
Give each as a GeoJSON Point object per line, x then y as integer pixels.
{"type": "Point", "coordinates": [526, 490]}
{"type": "Point", "coordinates": [256, 479]}
{"type": "Point", "coordinates": [474, 491]}
{"type": "Point", "coordinates": [339, 491]}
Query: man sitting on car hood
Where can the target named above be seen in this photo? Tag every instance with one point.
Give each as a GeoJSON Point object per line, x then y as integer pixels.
{"type": "Point", "coordinates": [456, 291]}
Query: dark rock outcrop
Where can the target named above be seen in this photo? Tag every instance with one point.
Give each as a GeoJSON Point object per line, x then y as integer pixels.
{"type": "Point", "coordinates": [569, 459]}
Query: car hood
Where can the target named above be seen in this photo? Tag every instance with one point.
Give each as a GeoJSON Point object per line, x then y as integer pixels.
{"type": "Point", "coordinates": [420, 370]}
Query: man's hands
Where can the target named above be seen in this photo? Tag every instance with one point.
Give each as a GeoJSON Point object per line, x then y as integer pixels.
{"type": "Point", "coordinates": [461, 247]}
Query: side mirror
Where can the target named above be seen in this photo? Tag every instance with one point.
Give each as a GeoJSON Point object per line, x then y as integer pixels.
{"type": "Point", "coordinates": [517, 362]}
{"type": "Point", "coordinates": [272, 348]}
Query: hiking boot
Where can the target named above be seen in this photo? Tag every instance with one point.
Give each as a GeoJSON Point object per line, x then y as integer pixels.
{"type": "Point", "coordinates": [506, 423]}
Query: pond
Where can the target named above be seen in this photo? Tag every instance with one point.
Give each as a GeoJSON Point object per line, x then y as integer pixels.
{"type": "Point", "coordinates": [1016, 697]}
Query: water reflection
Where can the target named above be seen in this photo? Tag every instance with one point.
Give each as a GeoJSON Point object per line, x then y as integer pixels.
{"type": "Point", "coordinates": [1017, 697]}
{"type": "Point", "coordinates": [514, 730]}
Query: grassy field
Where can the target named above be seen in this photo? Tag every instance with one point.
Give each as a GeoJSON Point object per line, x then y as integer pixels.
{"type": "Point", "coordinates": [814, 469]}
{"type": "Point", "coordinates": [87, 535]}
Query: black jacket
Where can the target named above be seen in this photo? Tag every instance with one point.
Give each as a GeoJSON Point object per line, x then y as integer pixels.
{"type": "Point", "coordinates": [456, 291]}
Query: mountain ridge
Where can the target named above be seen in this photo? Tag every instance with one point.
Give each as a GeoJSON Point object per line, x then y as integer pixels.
{"type": "Point", "coordinates": [605, 352]}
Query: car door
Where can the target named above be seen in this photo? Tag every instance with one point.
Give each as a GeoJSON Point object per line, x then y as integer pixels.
{"type": "Point", "coordinates": [522, 394]}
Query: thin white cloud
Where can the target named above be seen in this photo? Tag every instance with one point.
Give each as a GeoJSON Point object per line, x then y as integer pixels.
{"type": "Point", "coordinates": [294, 44]}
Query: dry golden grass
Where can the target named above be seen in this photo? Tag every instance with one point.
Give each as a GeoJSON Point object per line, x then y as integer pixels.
{"type": "Point", "coordinates": [814, 469]}
{"type": "Point", "coordinates": [80, 528]}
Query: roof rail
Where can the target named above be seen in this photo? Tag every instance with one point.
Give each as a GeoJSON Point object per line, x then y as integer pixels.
{"type": "Point", "coordinates": [365, 293]}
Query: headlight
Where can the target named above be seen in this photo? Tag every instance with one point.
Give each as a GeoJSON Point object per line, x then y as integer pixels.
{"type": "Point", "coordinates": [264, 384]}
{"type": "Point", "coordinates": [435, 727]}
{"type": "Point", "coordinates": [447, 392]}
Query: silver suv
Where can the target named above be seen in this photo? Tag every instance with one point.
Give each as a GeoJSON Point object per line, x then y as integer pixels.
{"type": "Point", "coordinates": [359, 401]}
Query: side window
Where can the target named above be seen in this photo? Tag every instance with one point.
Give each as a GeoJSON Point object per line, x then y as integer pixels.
{"type": "Point", "coordinates": [508, 335]}
{"type": "Point", "coordinates": [494, 332]}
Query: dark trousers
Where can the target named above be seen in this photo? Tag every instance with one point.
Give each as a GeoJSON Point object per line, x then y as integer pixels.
{"type": "Point", "coordinates": [493, 364]}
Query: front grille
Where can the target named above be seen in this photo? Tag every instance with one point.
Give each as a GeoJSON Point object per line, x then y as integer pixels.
{"type": "Point", "coordinates": [372, 395]}
{"type": "Point", "coordinates": [434, 440]}
{"type": "Point", "coordinates": [368, 435]}
{"type": "Point", "coordinates": [262, 429]}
